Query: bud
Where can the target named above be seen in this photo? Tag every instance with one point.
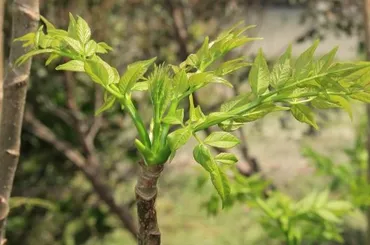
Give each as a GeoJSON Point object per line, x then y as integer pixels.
{"type": "Point", "coordinates": [4, 208]}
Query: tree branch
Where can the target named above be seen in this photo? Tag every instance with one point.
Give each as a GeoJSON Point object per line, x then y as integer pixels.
{"type": "Point", "coordinates": [90, 171]}
{"type": "Point", "coordinates": [25, 20]}
{"type": "Point", "coordinates": [146, 195]}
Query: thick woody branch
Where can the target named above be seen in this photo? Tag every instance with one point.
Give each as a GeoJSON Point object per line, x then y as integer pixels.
{"type": "Point", "coordinates": [92, 174]}
{"type": "Point", "coordinates": [25, 20]}
{"type": "Point", "coordinates": [146, 195]}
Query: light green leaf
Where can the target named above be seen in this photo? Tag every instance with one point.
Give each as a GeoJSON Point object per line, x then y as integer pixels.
{"type": "Point", "coordinates": [90, 48]}
{"type": "Point", "coordinates": [222, 140]}
{"type": "Point", "coordinates": [323, 64]}
{"type": "Point", "coordinates": [97, 71]}
{"type": "Point", "coordinates": [221, 183]}
{"type": "Point", "coordinates": [226, 158]}
{"type": "Point", "coordinates": [304, 114]}
{"type": "Point", "coordinates": [259, 75]}
{"type": "Point", "coordinates": [192, 60]}
{"type": "Point", "coordinates": [51, 58]}
{"type": "Point", "coordinates": [74, 44]}
{"type": "Point", "coordinates": [259, 112]}
{"type": "Point", "coordinates": [339, 206]}
{"type": "Point", "coordinates": [203, 156]}
{"type": "Point", "coordinates": [321, 199]}
{"type": "Point", "coordinates": [328, 216]}
{"type": "Point", "coordinates": [303, 64]}
{"type": "Point", "coordinates": [108, 103]}
{"type": "Point", "coordinates": [180, 82]}
{"type": "Point", "coordinates": [72, 27]}
{"type": "Point", "coordinates": [343, 103]}
{"type": "Point", "coordinates": [179, 138]}
{"type": "Point", "coordinates": [204, 78]}
{"type": "Point", "coordinates": [134, 72]}
{"type": "Point", "coordinates": [237, 101]}
{"type": "Point", "coordinates": [231, 66]}
{"type": "Point", "coordinates": [28, 39]}
{"type": "Point", "coordinates": [175, 118]}
{"type": "Point", "coordinates": [103, 48]}
{"type": "Point", "coordinates": [49, 26]}
{"type": "Point", "coordinates": [282, 70]}
{"type": "Point", "coordinates": [212, 119]}
{"type": "Point", "coordinates": [73, 65]}
{"type": "Point", "coordinates": [28, 55]}
{"type": "Point", "coordinates": [361, 96]}
{"type": "Point", "coordinates": [83, 30]}
{"type": "Point", "coordinates": [140, 86]}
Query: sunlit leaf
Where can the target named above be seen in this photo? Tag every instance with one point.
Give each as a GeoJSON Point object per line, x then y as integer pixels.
{"type": "Point", "coordinates": [222, 140]}
{"type": "Point", "coordinates": [259, 75]}
{"type": "Point", "coordinates": [73, 65]}
{"type": "Point", "coordinates": [304, 114]}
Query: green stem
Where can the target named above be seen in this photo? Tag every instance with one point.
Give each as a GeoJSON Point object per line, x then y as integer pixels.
{"type": "Point", "coordinates": [139, 124]}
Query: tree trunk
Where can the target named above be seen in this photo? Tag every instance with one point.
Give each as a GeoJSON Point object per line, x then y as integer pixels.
{"type": "Point", "coordinates": [146, 194]}
{"type": "Point", "coordinates": [2, 15]}
{"type": "Point", "coordinates": [367, 45]}
{"type": "Point", "coordinates": [25, 20]}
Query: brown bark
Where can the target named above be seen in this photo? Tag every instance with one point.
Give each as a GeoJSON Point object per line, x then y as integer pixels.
{"type": "Point", "coordinates": [2, 10]}
{"type": "Point", "coordinates": [25, 20]}
{"type": "Point", "coordinates": [367, 45]}
{"type": "Point", "coordinates": [86, 166]}
{"type": "Point", "coordinates": [146, 194]}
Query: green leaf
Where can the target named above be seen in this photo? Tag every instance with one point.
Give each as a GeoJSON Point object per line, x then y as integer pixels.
{"type": "Point", "coordinates": [97, 71]}
{"type": "Point", "coordinates": [28, 55]}
{"type": "Point", "coordinates": [73, 65]}
{"type": "Point", "coordinates": [282, 70]}
{"type": "Point", "coordinates": [160, 89]}
{"type": "Point", "coordinates": [361, 96]}
{"type": "Point", "coordinates": [204, 78]}
{"type": "Point", "coordinates": [259, 75]}
{"type": "Point", "coordinates": [74, 44]}
{"type": "Point", "coordinates": [108, 103]}
{"type": "Point", "coordinates": [231, 66]}
{"type": "Point", "coordinates": [72, 27]}
{"type": "Point", "coordinates": [83, 30]}
{"type": "Point", "coordinates": [259, 112]}
{"type": "Point", "coordinates": [203, 156]}
{"type": "Point", "coordinates": [103, 48]}
{"type": "Point", "coordinates": [339, 206]}
{"type": "Point", "coordinates": [304, 114]}
{"type": "Point", "coordinates": [195, 114]}
{"type": "Point", "coordinates": [49, 26]}
{"type": "Point", "coordinates": [134, 72]}
{"type": "Point", "coordinates": [140, 86]}
{"type": "Point", "coordinates": [328, 216]}
{"type": "Point", "coordinates": [192, 60]}
{"type": "Point", "coordinates": [212, 119]}
{"type": "Point", "coordinates": [221, 183]}
{"type": "Point", "coordinates": [237, 101]}
{"type": "Point", "coordinates": [303, 64]}
{"type": "Point", "coordinates": [179, 138]}
{"type": "Point", "coordinates": [176, 118]}
{"type": "Point", "coordinates": [180, 82]}
{"type": "Point", "coordinates": [226, 158]}
{"type": "Point", "coordinates": [342, 103]}
{"type": "Point", "coordinates": [51, 58]}
{"type": "Point", "coordinates": [28, 39]}
{"type": "Point", "coordinates": [323, 64]}
{"type": "Point", "coordinates": [90, 48]}
{"type": "Point", "coordinates": [221, 140]}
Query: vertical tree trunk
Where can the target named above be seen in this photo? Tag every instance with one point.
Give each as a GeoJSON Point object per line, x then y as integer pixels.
{"type": "Point", "coordinates": [367, 45]}
{"type": "Point", "coordinates": [25, 20]}
{"type": "Point", "coordinates": [146, 194]}
{"type": "Point", "coordinates": [2, 15]}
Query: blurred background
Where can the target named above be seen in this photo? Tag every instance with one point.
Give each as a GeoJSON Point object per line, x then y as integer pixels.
{"type": "Point", "coordinates": [74, 184]}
